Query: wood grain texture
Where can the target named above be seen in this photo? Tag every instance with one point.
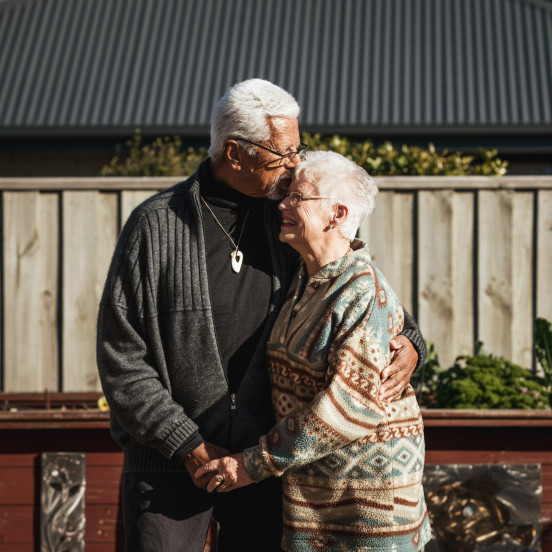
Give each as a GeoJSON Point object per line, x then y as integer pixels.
{"type": "Point", "coordinates": [462, 252]}
{"type": "Point", "coordinates": [435, 270]}
{"type": "Point", "coordinates": [17, 524]}
{"type": "Point", "coordinates": [445, 272]}
{"type": "Point", "coordinates": [544, 254]}
{"type": "Point", "coordinates": [495, 290]}
{"type": "Point", "coordinates": [21, 280]}
{"type": "Point", "coordinates": [388, 231]}
{"type": "Point", "coordinates": [521, 324]}
{"type": "Point", "coordinates": [49, 290]}
{"type": "Point", "coordinates": [130, 200]}
{"type": "Point", "coordinates": [405, 183]}
{"type": "Point", "coordinates": [16, 487]}
{"type": "Point", "coordinates": [89, 237]}
{"type": "Point", "coordinates": [30, 324]}
{"type": "Point", "coordinates": [55, 265]}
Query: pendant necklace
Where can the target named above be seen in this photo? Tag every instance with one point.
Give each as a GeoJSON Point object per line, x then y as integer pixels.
{"type": "Point", "coordinates": [236, 256]}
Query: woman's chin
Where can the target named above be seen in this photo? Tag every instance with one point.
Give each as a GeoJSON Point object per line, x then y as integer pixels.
{"type": "Point", "coordinates": [286, 236]}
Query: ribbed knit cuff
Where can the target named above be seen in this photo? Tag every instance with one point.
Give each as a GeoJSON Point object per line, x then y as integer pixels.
{"type": "Point", "coordinates": [176, 435]}
{"type": "Point", "coordinates": [418, 342]}
{"type": "Point", "coordinates": [190, 444]}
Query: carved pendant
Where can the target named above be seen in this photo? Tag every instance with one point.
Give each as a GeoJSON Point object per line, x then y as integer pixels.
{"type": "Point", "coordinates": [237, 259]}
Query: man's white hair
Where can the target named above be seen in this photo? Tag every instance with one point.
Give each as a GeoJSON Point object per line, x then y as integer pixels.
{"type": "Point", "coordinates": [243, 113]}
{"type": "Point", "coordinates": [343, 181]}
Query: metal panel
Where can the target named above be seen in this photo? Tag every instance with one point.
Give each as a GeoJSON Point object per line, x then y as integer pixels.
{"type": "Point", "coordinates": [62, 500]}
{"type": "Point", "coordinates": [109, 65]}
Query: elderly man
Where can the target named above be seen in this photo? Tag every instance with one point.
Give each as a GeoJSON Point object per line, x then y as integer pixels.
{"type": "Point", "coordinates": [196, 282]}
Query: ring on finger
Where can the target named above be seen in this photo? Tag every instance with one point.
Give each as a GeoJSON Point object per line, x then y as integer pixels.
{"type": "Point", "coordinates": [219, 479]}
{"type": "Point", "coordinates": [223, 486]}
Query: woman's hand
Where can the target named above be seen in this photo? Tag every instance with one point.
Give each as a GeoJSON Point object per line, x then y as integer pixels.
{"type": "Point", "coordinates": [228, 473]}
{"type": "Point", "coordinates": [397, 375]}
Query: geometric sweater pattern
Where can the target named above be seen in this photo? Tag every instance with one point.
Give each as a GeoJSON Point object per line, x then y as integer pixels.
{"type": "Point", "coordinates": [351, 466]}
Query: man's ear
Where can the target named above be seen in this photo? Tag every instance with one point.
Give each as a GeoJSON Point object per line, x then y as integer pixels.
{"type": "Point", "coordinates": [233, 154]}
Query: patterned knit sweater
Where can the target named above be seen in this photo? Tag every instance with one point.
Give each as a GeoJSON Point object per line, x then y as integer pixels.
{"type": "Point", "coordinates": [351, 466]}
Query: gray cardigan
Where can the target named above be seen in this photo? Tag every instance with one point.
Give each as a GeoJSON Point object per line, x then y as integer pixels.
{"type": "Point", "coordinates": [157, 352]}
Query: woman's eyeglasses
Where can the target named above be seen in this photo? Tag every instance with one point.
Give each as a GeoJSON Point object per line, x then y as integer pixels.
{"type": "Point", "coordinates": [295, 198]}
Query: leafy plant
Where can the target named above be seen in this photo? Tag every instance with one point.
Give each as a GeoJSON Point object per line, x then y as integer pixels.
{"type": "Point", "coordinates": [409, 160]}
{"type": "Point", "coordinates": [165, 157]}
{"type": "Point", "coordinates": [486, 381]}
{"type": "Point", "coordinates": [425, 381]}
{"type": "Point", "coordinates": [162, 157]}
{"type": "Point", "coordinates": [543, 348]}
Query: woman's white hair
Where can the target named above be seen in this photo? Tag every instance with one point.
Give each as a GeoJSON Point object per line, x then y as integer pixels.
{"type": "Point", "coordinates": [243, 112]}
{"type": "Point", "coordinates": [343, 181]}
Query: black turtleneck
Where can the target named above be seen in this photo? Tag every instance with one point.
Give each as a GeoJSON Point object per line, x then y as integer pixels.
{"type": "Point", "coordinates": [239, 301]}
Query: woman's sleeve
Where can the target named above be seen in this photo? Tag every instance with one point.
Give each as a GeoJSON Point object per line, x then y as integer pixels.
{"type": "Point", "coordinates": [346, 410]}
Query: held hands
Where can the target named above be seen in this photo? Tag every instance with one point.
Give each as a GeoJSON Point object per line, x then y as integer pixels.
{"type": "Point", "coordinates": [198, 457]}
{"type": "Point", "coordinates": [397, 375]}
{"type": "Point", "coordinates": [224, 474]}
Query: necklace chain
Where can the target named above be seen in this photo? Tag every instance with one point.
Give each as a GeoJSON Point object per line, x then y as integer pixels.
{"type": "Point", "coordinates": [236, 255]}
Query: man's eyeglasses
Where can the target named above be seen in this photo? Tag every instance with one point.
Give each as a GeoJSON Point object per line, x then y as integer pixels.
{"type": "Point", "coordinates": [297, 197]}
{"type": "Point", "coordinates": [285, 158]}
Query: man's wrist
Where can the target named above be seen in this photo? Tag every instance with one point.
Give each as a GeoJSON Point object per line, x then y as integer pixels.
{"type": "Point", "coordinates": [194, 441]}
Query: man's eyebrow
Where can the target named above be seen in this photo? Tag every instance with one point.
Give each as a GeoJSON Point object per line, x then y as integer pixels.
{"type": "Point", "coordinates": [288, 148]}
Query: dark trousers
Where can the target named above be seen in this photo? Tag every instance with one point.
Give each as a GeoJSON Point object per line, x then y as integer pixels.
{"type": "Point", "coordinates": [165, 512]}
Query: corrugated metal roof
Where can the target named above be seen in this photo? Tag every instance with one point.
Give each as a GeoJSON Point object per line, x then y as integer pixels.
{"type": "Point", "coordinates": [106, 65]}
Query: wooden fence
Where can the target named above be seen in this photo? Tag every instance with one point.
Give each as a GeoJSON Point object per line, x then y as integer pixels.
{"type": "Point", "coordinates": [471, 259]}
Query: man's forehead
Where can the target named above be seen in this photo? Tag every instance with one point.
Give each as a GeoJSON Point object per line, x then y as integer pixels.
{"type": "Point", "coordinates": [284, 128]}
{"type": "Point", "coordinates": [282, 123]}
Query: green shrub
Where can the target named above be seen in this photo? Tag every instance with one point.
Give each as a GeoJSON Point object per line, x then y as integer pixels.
{"type": "Point", "coordinates": [486, 381]}
{"type": "Point", "coordinates": [543, 348]}
{"type": "Point", "coordinates": [386, 160]}
{"type": "Point", "coordinates": [425, 381]}
{"type": "Point", "coordinates": [162, 157]}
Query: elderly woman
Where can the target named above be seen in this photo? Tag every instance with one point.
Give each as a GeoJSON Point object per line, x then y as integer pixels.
{"type": "Point", "coordinates": [351, 464]}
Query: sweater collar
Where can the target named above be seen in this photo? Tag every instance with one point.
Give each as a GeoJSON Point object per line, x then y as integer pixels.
{"type": "Point", "coordinates": [218, 193]}
{"type": "Point", "coordinates": [360, 252]}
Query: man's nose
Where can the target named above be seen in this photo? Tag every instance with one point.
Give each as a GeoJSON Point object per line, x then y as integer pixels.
{"type": "Point", "coordinates": [292, 161]}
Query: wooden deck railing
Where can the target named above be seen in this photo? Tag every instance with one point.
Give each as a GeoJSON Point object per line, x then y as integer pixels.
{"type": "Point", "coordinates": [470, 258]}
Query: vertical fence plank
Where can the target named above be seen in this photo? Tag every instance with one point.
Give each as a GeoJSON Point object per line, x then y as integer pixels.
{"type": "Point", "coordinates": [130, 200]}
{"type": "Point", "coordinates": [107, 233]}
{"type": "Point", "coordinates": [388, 232]}
{"type": "Point", "coordinates": [462, 252]}
{"type": "Point", "coordinates": [435, 269]}
{"type": "Point", "coordinates": [49, 293]}
{"type": "Point", "coordinates": [30, 291]}
{"type": "Point", "coordinates": [80, 246]}
{"type": "Point", "coordinates": [21, 280]}
{"type": "Point", "coordinates": [88, 241]}
{"type": "Point", "coordinates": [495, 271]}
{"type": "Point", "coordinates": [544, 255]}
{"type": "Point", "coordinates": [522, 279]}
{"type": "Point", "coordinates": [376, 231]}
{"type": "Point", "coordinates": [403, 247]}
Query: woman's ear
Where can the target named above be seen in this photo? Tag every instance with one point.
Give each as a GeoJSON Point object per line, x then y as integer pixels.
{"type": "Point", "coordinates": [340, 214]}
